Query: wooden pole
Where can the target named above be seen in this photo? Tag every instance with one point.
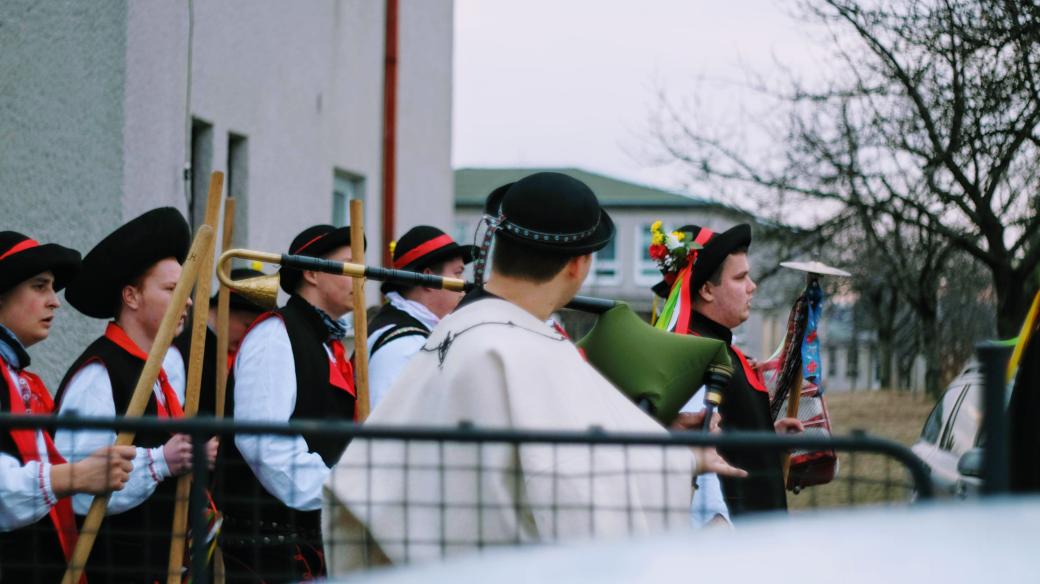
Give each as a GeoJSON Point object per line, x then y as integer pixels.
{"type": "Point", "coordinates": [196, 363]}
{"type": "Point", "coordinates": [142, 393]}
{"type": "Point", "coordinates": [223, 310]}
{"type": "Point", "coordinates": [357, 255]}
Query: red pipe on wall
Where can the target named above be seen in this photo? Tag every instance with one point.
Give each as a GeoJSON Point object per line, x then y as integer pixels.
{"type": "Point", "coordinates": [389, 128]}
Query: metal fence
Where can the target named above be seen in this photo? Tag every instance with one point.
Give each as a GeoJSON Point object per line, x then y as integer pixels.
{"type": "Point", "coordinates": [409, 494]}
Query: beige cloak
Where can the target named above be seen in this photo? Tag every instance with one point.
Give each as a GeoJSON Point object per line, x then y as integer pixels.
{"type": "Point", "coordinates": [495, 365]}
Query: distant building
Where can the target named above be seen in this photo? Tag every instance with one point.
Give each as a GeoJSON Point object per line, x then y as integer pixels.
{"type": "Point", "coordinates": [105, 104]}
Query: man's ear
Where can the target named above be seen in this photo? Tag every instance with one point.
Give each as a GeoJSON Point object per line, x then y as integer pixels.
{"type": "Point", "coordinates": [576, 265]}
{"type": "Point", "coordinates": [311, 277]}
{"type": "Point", "coordinates": [131, 296]}
{"type": "Point", "coordinates": [705, 293]}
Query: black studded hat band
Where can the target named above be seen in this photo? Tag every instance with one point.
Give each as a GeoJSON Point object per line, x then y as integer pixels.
{"type": "Point", "coordinates": [533, 235]}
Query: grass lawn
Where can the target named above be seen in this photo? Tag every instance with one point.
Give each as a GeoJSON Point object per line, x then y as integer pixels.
{"type": "Point", "coordinates": [897, 416]}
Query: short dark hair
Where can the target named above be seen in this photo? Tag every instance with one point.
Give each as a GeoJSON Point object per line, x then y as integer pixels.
{"type": "Point", "coordinates": [716, 277]}
{"type": "Point", "coordinates": [513, 259]}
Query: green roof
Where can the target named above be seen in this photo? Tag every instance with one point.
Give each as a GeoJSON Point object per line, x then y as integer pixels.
{"type": "Point", "coordinates": [472, 186]}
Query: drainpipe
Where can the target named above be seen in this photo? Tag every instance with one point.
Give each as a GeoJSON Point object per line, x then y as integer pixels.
{"type": "Point", "coordinates": [389, 127]}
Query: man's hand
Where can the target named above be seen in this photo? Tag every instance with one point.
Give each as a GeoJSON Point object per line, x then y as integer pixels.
{"type": "Point", "coordinates": [708, 459]}
{"type": "Point", "coordinates": [211, 451]}
{"type": "Point", "coordinates": [103, 471]}
{"type": "Point", "coordinates": [177, 452]}
{"type": "Point", "coordinates": [788, 426]}
{"type": "Point", "coordinates": [695, 421]}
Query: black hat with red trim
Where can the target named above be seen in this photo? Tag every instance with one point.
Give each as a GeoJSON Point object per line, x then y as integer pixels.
{"type": "Point", "coordinates": [552, 212]}
{"type": "Point", "coordinates": [315, 241]}
{"type": "Point", "coordinates": [124, 255]}
{"type": "Point", "coordinates": [423, 246]}
{"type": "Point", "coordinates": [716, 247]}
{"type": "Point", "coordinates": [22, 258]}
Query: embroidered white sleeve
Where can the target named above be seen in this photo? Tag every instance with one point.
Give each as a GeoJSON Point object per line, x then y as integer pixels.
{"type": "Point", "coordinates": [22, 500]}
{"type": "Point", "coordinates": [89, 394]}
{"type": "Point", "coordinates": [265, 390]}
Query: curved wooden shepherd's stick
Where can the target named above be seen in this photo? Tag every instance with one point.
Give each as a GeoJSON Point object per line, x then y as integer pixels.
{"type": "Point", "coordinates": [357, 255]}
{"type": "Point", "coordinates": [197, 356]}
{"type": "Point", "coordinates": [142, 393]}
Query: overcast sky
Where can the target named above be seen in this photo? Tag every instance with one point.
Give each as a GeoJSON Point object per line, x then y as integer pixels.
{"type": "Point", "coordinates": [574, 82]}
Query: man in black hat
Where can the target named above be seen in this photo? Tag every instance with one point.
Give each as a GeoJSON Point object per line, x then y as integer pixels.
{"type": "Point", "coordinates": [129, 277]}
{"type": "Point", "coordinates": [291, 365]}
{"type": "Point", "coordinates": [401, 326]}
{"type": "Point", "coordinates": [720, 289]}
{"type": "Point", "coordinates": [496, 362]}
{"type": "Point", "coordinates": [37, 525]}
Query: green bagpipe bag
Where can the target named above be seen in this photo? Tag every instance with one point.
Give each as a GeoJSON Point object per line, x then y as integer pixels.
{"type": "Point", "coordinates": [658, 370]}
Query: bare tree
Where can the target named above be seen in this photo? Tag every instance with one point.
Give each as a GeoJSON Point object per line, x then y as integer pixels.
{"type": "Point", "coordinates": [926, 134]}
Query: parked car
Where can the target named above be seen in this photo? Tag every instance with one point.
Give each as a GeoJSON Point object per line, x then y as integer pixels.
{"type": "Point", "coordinates": [951, 438]}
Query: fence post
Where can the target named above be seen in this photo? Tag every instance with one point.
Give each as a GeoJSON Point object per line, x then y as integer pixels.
{"type": "Point", "coordinates": [993, 359]}
{"type": "Point", "coordinates": [198, 525]}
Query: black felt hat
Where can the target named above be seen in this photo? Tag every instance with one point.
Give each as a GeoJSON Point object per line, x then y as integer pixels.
{"type": "Point", "coordinates": [553, 212]}
{"type": "Point", "coordinates": [315, 241]}
{"type": "Point", "coordinates": [716, 248]}
{"type": "Point", "coordinates": [423, 246]}
{"type": "Point", "coordinates": [22, 258]}
{"type": "Point", "coordinates": [237, 301]}
{"type": "Point", "coordinates": [124, 255]}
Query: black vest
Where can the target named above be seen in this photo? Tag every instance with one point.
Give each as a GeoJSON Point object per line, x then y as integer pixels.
{"type": "Point", "coordinates": [253, 517]}
{"type": "Point", "coordinates": [134, 545]}
{"type": "Point", "coordinates": [208, 385]}
{"type": "Point", "coordinates": [33, 552]}
{"type": "Point", "coordinates": [401, 325]}
{"type": "Point", "coordinates": [745, 409]}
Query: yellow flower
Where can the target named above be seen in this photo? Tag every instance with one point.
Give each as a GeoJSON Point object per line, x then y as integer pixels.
{"type": "Point", "coordinates": [656, 227]}
{"type": "Point", "coordinates": [393, 246]}
{"type": "Point", "coordinates": [657, 238]}
{"type": "Point", "coordinates": [679, 235]}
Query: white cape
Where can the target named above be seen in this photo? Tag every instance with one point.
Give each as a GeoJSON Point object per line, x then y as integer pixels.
{"type": "Point", "coordinates": [394, 502]}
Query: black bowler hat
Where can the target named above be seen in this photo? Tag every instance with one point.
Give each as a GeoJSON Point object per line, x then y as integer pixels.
{"type": "Point", "coordinates": [124, 255]}
{"type": "Point", "coordinates": [315, 241]}
{"type": "Point", "coordinates": [716, 247]}
{"type": "Point", "coordinates": [22, 258]}
{"type": "Point", "coordinates": [237, 301]}
{"type": "Point", "coordinates": [423, 246]}
{"type": "Point", "coordinates": [552, 212]}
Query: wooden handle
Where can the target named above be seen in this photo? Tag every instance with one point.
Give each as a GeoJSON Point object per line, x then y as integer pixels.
{"type": "Point", "coordinates": [196, 364]}
{"type": "Point", "coordinates": [223, 310]}
{"type": "Point", "coordinates": [357, 251]}
{"type": "Point", "coordinates": [142, 393]}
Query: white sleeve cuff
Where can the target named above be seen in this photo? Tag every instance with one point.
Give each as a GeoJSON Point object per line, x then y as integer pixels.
{"type": "Point", "coordinates": [44, 476]}
{"type": "Point", "coordinates": [157, 466]}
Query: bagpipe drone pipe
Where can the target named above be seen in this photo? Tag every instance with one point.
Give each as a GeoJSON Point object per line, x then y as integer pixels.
{"type": "Point", "coordinates": [657, 370]}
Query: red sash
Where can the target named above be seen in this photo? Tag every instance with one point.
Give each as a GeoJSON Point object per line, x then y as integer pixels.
{"type": "Point", "coordinates": [754, 377]}
{"type": "Point", "coordinates": [61, 511]}
{"type": "Point", "coordinates": [172, 408]}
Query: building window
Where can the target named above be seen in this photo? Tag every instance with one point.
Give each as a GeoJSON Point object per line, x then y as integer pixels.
{"type": "Point", "coordinates": [346, 186]}
{"type": "Point", "coordinates": [463, 232]}
{"type": "Point", "coordinates": [201, 167]}
{"type": "Point", "coordinates": [646, 271]}
{"type": "Point", "coordinates": [605, 270]}
{"type": "Point", "coordinates": [238, 186]}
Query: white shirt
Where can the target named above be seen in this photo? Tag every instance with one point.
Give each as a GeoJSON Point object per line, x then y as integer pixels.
{"type": "Point", "coordinates": [265, 391]}
{"type": "Point", "coordinates": [25, 490]}
{"type": "Point", "coordinates": [707, 499]}
{"type": "Point", "coordinates": [387, 363]}
{"type": "Point", "coordinates": [89, 394]}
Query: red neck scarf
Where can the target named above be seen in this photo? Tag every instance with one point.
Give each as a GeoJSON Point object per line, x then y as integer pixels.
{"type": "Point", "coordinates": [754, 377]}
{"type": "Point", "coordinates": [172, 407]}
{"type": "Point", "coordinates": [39, 402]}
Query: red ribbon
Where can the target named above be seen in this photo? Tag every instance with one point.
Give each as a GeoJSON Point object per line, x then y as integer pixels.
{"type": "Point", "coordinates": [61, 512]}
{"type": "Point", "coordinates": [341, 372]}
{"type": "Point", "coordinates": [172, 407]}
{"type": "Point", "coordinates": [682, 326]}
{"type": "Point", "coordinates": [20, 246]}
{"type": "Point", "coordinates": [421, 250]}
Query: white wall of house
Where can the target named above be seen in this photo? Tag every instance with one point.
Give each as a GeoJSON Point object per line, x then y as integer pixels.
{"type": "Point", "coordinates": [288, 96]}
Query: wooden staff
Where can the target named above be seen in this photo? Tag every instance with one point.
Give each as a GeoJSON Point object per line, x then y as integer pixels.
{"type": "Point", "coordinates": [357, 255]}
{"type": "Point", "coordinates": [142, 393]}
{"type": "Point", "coordinates": [197, 356]}
{"type": "Point", "coordinates": [223, 310]}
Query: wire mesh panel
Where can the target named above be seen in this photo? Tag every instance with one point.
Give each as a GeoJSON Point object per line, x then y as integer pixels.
{"type": "Point", "coordinates": [403, 495]}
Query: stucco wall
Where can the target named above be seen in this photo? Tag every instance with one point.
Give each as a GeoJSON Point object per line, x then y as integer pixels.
{"type": "Point", "coordinates": [62, 72]}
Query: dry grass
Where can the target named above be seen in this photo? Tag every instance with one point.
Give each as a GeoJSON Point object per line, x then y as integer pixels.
{"type": "Point", "coordinates": [865, 478]}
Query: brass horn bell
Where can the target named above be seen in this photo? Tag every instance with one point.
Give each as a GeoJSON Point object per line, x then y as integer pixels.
{"type": "Point", "coordinates": [260, 290]}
